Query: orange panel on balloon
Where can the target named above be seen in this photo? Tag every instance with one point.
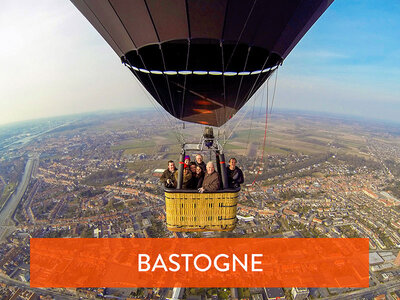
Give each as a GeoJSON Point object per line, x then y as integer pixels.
{"type": "Point", "coordinates": [258, 262]}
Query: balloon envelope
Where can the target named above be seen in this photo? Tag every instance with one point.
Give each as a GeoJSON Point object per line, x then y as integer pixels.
{"type": "Point", "coordinates": [202, 60]}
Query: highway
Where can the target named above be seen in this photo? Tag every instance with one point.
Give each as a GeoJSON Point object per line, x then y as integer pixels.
{"type": "Point", "coordinates": [6, 213]}
{"type": "Point", "coordinates": [56, 293]}
{"type": "Point", "coordinates": [368, 292]}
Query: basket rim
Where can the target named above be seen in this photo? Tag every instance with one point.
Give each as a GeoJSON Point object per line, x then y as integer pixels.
{"type": "Point", "coordinates": [175, 191]}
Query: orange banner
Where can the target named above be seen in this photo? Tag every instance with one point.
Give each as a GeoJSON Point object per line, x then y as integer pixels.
{"type": "Point", "coordinates": [219, 262]}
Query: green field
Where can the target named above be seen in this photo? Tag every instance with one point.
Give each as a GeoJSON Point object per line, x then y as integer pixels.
{"type": "Point", "coordinates": [136, 147]}
{"type": "Point", "coordinates": [243, 135]}
{"type": "Point", "coordinates": [147, 166]}
{"type": "Point", "coordinates": [286, 134]}
{"type": "Point", "coordinates": [134, 144]}
{"type": "Point", "coordinates": [146, 150]}
{"type": "Point", "coordinates": [230, 146]}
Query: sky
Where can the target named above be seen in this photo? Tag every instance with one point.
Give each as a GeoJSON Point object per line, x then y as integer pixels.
{"type": "Point", "coordinates": [53, 62]}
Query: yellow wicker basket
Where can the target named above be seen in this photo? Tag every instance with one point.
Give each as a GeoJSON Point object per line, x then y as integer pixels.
{"type": "Point", "coordinates": [189, 211]}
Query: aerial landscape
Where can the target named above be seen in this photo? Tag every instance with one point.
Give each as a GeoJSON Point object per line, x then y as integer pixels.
{"type": "Point", "coordinates": [97, 175]}
{"type": "Point", "coordinates": [98, 98]}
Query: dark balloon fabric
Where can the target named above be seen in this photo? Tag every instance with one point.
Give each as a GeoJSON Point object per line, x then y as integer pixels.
{"type": "Point", "coordinates": [202, 60]}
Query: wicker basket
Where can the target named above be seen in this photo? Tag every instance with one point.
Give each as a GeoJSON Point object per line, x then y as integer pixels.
{"type": "Point", "coordinates": [188, 211]}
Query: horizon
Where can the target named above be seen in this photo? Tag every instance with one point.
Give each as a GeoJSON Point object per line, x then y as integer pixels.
{"type": "Point", "coordinates": [284, 111]}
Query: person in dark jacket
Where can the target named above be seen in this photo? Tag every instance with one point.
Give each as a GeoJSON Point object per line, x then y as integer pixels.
{"type": "Point", "coordinates": [187, 178]}
{"type": "Point", "coordinates": [192, 167]}
{"type": "Point", "coordinates": [211, 182]}
{"type": "Point", "coordinates": [168, 177]}
{"type": "Point", "coordinates": [197, 178]}
{"type": "Point", "coordinates": [235, 175]}
{"type": "Point", "coordinates": [200, 162]}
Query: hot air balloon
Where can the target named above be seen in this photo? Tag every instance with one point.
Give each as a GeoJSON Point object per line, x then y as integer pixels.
{"type": "Point", "coordinates": [202, 60]}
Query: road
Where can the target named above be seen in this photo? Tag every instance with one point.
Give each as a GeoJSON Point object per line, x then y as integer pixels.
{"type": "Point", "coordinates": [6, 222]}
{"type": "Point", "coordinates": [29, 199]}
{"type": "Point", "coordinates": [368, 292]}
{"type": "Point", "coordinates": [56, 293]}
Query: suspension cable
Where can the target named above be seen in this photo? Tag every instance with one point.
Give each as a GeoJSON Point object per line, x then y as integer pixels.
{"type": "Point", "coordinates": [273, 96]}
{"type": "Point", "coordinates": [162, 55]}
{"type": "Point", "coordinates": [239, 122]}
{"type": "Point", "coordinates": [177, 134]}
{"type": "Point", "coordinates": [266, 124]}
{"type": "Point", "coordinates": [263, 103]}
{"type": "Point", "coordinates": [137, 51]}
{"type": "Point", "coordinates": [265, 135]}
{"type": "Point", "coordinates": [162, 112]}
{"type": "Point", "coordinates": [223, 77]}
{"type": "Point", "coordinates": [255, 82]}
{"type": "Point", "coordinates": [241, 79]}
{"type": "Point", "coordinates": [185, 79]}
{"type": "Point", "coordinates": [252, 88]}
{"type": "Point", "coordinates": [136, 74]}
{"type": "Point", "coordinates": [251, 122]}
{"type": "Point", "coordinates": [166, 78]}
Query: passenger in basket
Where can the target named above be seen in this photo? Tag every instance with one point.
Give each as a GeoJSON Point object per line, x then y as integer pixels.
{"type": "Point", "coordinates": [197, 179]}
{"type": "Point", "coordinates": [211, 182]}
{"type": "Point", "coordinates": [192, 167]}
{"type": "Point", "coordinates": [187, 177]}
{"type": "Point", "coordinates": [200, 162]}
{"type": "Point", "coordinates": [168, 178]}
{"type": "Point", "coordinates": [235, 175]}
{"type": "Point", "coordinates": [187, 160]}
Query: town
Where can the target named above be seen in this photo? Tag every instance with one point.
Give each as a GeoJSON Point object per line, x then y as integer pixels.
{"type": "Point", "coordinates": [99, 178]}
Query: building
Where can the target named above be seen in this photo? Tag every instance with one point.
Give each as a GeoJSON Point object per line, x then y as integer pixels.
{"type": "Point", "coordinates": [370, 194]}
{"type": "Point", "coordinates": [300, 293]}
{"type": "Point", "coordinates": [158, 172]}
{"type": "Point", "coordinates": [246, 219]}
{"type": "Point", "coordinates": [234, 294]}
{"type": "Point", "coordinates": [24, 295]}
{"type": "Point", "coordinates": [177, 293]}
{"type": "Point", "coordinates": [381, 267]}
{"type": "Point", "coordinates": [96, 232]}
{"type": "Point", "coordinates": [274, 293]}
{"type": "Point", "coordinates": [387, 256]}
{"type": "Point", "coordinates": [375, 259]}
